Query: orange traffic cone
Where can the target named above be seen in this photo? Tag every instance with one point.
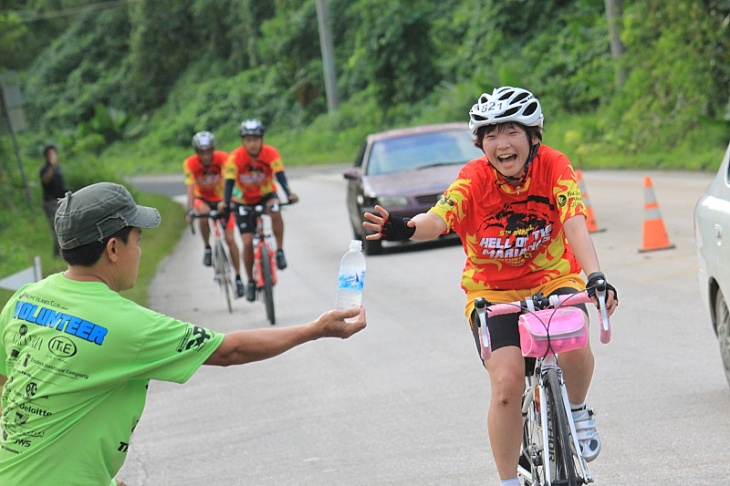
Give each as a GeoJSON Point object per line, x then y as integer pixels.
{"type": "Point", "coordinates": [655, 234]}
{"type": "Point", "coordinates": [590, 217]}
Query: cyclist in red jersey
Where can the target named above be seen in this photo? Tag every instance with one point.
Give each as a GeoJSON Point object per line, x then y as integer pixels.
{"type": "Point", "coordinates": [204, 183]}
{"type": "Point", "coordinates": [251, 169]}
{"type": "Point", "coordinates": [521, 219]}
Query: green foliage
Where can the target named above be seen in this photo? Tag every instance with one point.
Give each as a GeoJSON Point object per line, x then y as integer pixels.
{"type": "Point", "coordinates": [393, 50]}
{"type": "Point", "coordinates": [159, 71]}
{"type": "Point", "coordinates": [12, 33]}
{"type": "Point", "coordinates": [674, 80]}
{"type": "Point", "coordinates": [159, 50]}
{"type": "Point", "coordinates": [80, 70]}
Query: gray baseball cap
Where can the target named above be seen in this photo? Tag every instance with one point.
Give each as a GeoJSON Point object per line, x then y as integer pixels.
{"type": "Point", "coordinates": [98, 211]}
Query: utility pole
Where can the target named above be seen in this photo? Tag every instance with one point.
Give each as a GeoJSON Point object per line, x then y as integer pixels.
{"type": "Point", "coordinates": [328, 61]}
{"type": "Point", "coordinates": [10, 98]}
{"type": "Point", "coordinates": [614, 16]}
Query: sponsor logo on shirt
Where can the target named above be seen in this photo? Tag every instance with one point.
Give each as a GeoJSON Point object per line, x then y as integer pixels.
{"type": "Point", "coordinates": [195, 338]}
{"type": "Point", "coordinates": [62, 322]}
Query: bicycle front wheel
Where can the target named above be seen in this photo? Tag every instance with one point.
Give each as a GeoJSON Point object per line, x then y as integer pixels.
{"type": "Point", "coordinates": [268, 284]}
{"type": "Point", "coordinates": [223, 271]}
{"type": "Point", "coordinates": [562, 459]}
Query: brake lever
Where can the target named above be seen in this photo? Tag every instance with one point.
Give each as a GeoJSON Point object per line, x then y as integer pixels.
{"type": "Point", "coordinates": [603, 311]}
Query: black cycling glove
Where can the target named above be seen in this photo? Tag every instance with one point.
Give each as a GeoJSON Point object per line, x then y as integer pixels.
{"type": "Point", "coordinates": [396, 228]}
{"type": "Point", "coordinates": [593, 282]}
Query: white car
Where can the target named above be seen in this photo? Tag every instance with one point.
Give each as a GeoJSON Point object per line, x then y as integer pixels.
{"type": "Point", "coordinates": [712, 233]}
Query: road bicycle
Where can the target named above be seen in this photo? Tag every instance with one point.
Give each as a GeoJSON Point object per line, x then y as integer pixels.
{"type": "Point", "coordinates": [222, 270]}
{"type": "Point", "coordinates": [264, 254]}
{"type": "Point", "coordinates": [550, 454]}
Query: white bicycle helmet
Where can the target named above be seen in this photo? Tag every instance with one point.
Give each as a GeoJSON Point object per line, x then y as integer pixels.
{"type": "Point", "coordinates": [251, 127]}
{"type": "Point", "coordinates": [506, 104]}
{"type": "Point", "coordinates": [203, 141]}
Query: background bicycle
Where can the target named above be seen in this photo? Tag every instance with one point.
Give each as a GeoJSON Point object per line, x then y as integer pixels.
{"type": "Point", "coordinates": [264, 265]}
{"type": "Point", "coordinates": [551, 454]}
{"type": "Point", "coordinates": [222, 271]}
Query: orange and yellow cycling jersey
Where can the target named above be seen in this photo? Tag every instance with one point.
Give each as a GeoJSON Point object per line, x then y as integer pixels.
{"type": "Point", "coordinates": [253, 179]}
{"type": "Point", "coordinates": [513, 237]}
{"type": "Point", "coordinates": [208, 180]}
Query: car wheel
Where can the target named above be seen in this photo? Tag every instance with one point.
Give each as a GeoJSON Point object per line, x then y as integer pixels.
{"type": "Point", "coordinates": [722, 317]}
{"type": "Point", "coordinates": [372, 247]}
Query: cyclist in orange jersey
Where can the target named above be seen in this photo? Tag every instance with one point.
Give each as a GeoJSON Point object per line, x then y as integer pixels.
{"type": "Point", "coordinates": [251, 169]}
{"type": "Point", "coordinates": [521, 219]}
{"type": "Point", "coordinates": [204, 183]}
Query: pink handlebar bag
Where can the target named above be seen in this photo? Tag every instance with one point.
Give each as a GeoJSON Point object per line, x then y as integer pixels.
{"type": "Point", "coordinates": [552, 330]}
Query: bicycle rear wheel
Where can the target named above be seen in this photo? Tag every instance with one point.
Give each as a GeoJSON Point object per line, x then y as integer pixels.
{"type": "Point", "coordinates": [562, 459]}
{"type": "Point", "coordinates": [223, 273]}
{"type": "Point", "coordinates": [268, 284]}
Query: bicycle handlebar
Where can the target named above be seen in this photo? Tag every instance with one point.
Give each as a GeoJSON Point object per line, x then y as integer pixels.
{"type": "Point", "coordinates": [538, 302]}
{"type": "Point", "coordinates": [259, 208]}
{"type": "Point", "coordinates": [213, 213]}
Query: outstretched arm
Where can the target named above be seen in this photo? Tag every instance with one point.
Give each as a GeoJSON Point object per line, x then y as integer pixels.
{"type": "Point", "coordinates": [423, 226]}
{"type": "Point", "coordinates": [581, 242]}
{"type": "Point", "coordinates": [251, 345]}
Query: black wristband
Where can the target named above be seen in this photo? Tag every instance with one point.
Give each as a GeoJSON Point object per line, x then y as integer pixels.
{"type": "Point", "coordinates": [396, 228]}
{"type": "Point", "coordinates": [595, 276]}
{"type": "Point", "coordinates": [593, 282]}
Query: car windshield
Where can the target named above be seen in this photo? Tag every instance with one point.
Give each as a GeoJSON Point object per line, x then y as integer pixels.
{"type": "Point", "coordinates": [419, 151]}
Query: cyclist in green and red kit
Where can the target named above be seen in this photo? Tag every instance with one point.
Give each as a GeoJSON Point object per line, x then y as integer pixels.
{"type": "Point", "coordinates": [250, 172]}
{"type": "Point", "coordinates": [204, 182]}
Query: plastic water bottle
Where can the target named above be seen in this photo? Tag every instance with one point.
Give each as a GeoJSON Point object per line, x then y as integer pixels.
{"type": "Point", "coordinates": [351, 279]}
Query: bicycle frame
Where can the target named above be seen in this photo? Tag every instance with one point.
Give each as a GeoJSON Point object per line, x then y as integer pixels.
{"type": "Point", "coordinates": [546, 454]}
{"type": "Point", "coordinates": [263, 241]}
{"type": "Point", "coordinates": [223, 275]}
{"type": "Point", "coordinates": [264, 264]}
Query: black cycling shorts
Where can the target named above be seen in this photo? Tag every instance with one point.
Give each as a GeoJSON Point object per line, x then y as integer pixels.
{"type": "Point", "coordinates": [247, 222]}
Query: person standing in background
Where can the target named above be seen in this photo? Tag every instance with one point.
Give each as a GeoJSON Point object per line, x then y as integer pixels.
{"type": "Point", "coordinates": [54, 189]}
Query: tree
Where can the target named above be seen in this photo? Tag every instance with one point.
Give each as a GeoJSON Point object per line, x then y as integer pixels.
{"type": "Point", "coordinates": [160, 49]}
{"type": "Point", "coordinates": [394, 49]}
{"type": "Point", "coordinates": [614, 12]}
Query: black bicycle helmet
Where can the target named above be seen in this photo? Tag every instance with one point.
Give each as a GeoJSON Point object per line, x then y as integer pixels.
{"type": "Point", "coordinates": [251, 127]}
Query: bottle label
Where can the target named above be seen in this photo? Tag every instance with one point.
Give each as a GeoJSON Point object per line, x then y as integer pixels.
{"type": "Point", "coordinates": [351, 279]}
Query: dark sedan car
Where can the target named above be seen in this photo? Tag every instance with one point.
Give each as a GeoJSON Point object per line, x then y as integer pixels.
{"type": "Point", "coordinates": [405, 171]}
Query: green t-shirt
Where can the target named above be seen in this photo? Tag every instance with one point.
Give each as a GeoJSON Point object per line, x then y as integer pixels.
{"type": "Point", "coordinates": [78, 358]}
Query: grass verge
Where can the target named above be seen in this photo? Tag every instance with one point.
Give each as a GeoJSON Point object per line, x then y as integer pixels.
{"type": "Point", "coordinates": [156, 245]}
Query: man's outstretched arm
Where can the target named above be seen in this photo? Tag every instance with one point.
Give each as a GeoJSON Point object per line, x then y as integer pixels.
{"type": "Point", "coordinates": [247, 346]}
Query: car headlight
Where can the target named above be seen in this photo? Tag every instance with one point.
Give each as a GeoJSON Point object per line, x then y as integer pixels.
{"type": "Point", "coordinates": [392, 201]}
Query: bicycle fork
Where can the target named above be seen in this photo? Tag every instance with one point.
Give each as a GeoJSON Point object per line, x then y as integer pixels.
{"type": "Point", "coordinates": [585, 472]}
{"type": "Point", "coordinates": [550, 362]}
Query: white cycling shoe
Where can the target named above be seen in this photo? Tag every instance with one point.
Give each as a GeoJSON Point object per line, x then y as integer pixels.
{"type": "Point", "coordinates": [588, 438]}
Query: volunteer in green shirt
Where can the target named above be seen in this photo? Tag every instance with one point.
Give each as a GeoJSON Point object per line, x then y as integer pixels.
{"type": "Point", "coordinates": [78, 357]}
